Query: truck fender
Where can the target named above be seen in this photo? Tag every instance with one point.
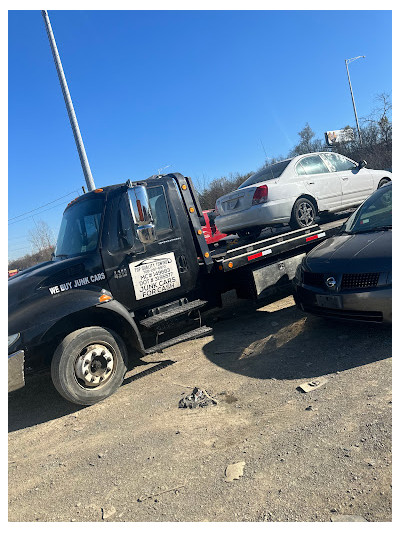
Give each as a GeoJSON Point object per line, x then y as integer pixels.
{"type": "Point", "coordinates": [116, 307]}
{"type": "Point", "coordinates": [82, 310]}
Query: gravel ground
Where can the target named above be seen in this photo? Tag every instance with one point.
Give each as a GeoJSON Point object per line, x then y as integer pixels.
{"type": "Point", "coordinates": [137, 457]}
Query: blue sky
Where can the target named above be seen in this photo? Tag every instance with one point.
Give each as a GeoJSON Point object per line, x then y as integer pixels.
{"type": "Point", "coordinates": [203, 91]}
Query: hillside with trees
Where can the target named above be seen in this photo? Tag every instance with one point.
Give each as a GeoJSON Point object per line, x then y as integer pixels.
{"type": "Point", "coordinates": [376, 149]}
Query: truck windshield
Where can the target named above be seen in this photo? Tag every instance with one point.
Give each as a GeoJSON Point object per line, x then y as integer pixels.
{"type": "Point", "coordinates": [79, 231]}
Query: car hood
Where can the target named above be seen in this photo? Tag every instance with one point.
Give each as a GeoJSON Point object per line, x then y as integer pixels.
{"type": "Point", "coordinates": [363, 252]}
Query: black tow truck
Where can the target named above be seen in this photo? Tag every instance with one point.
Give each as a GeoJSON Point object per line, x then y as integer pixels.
{"type": "Point", "coordinates": [131, 274]}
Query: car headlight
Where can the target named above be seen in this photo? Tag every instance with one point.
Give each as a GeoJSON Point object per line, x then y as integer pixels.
{"type": "Point", "coordinates": [12, 339]}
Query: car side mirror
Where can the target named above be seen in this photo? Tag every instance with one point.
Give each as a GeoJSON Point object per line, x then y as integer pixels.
{"type": "Point", "coordinates": [142, 215]}
{"type": "Point", "coordinates": [362, 164]}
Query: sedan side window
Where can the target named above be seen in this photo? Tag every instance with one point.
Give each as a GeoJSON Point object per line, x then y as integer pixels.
{"type": "Point", "coordinates": [313, 164]}
{"type": "Point", "coordinates": [300, 170]}
{"type": "Point", "coordinates": [340, 162]}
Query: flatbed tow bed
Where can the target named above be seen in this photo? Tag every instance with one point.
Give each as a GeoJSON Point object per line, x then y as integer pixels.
{"type": "Point", "coordinates": [237, 252]}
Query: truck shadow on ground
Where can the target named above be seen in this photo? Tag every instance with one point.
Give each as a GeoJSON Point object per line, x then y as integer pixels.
{"type": "Point", "coordinates": [262, 343]}
{"type": "Point", "coordinates": [39, 402]}
{"type": "Point", "coordinates": [288, 344]}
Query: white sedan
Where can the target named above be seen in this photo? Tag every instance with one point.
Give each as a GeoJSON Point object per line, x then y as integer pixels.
{"type": "Point", "coordinates": [295, 191]}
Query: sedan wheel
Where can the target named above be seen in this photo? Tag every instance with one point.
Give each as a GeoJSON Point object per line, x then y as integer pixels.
{"type": "Point", "coordinates": [303, 214]}
{"type": "Point", "coordinates": [383, 182]}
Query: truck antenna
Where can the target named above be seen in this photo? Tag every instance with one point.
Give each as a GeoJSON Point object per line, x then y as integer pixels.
{"type": "Point", "coordinates": [162, 168]}
{"type": "Point", "coordinates": [68, 102]}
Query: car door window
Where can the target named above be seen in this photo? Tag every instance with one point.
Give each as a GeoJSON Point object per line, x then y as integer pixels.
{"type": "Point", "coordinates": [313, 164]}
{"type": "Point", "coordinates": [300, 170]}
{"type": "Point", "coordinates": [340, 162]}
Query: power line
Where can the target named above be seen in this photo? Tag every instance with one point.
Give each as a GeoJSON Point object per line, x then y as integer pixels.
{"type": "Point", "coordinates": [36, 214]}
{"type": "Point", "coordinates": [44, 205]}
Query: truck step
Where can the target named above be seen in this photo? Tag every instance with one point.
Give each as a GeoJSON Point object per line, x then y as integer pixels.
{"type": "Point", "coordinates": [198, 332]}
{"type": "Point", "coordinates": [156, 320]}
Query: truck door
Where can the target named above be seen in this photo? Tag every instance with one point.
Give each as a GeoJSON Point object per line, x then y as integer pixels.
{"type": "Point", "coordinates": [148, 275]}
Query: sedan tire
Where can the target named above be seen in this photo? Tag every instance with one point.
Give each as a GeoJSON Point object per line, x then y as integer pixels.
{"type": "Point", "coordinates": [303, 214]}
{"type": "Point", "coordinates": [383, 182]}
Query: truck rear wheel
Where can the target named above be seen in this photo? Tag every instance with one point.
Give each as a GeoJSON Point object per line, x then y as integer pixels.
{"type": "Point", "coordinates": [89, 365]}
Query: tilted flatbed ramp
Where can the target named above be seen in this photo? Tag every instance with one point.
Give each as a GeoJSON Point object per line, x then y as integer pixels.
{"type": "Point", "coordinates": [239, 253]}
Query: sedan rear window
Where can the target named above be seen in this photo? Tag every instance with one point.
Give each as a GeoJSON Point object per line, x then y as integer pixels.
{"type": "Point", "coordinates": [268, 173]}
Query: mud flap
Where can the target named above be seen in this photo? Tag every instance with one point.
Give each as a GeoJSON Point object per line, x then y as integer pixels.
{"type": "Point", "coordinates": [268, 280]}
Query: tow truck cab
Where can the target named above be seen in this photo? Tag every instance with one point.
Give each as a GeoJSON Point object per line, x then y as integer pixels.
{"type": "Point", "coordinates": [131, 268]}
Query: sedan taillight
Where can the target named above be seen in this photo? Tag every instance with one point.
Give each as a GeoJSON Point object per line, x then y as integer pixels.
{"type": "Point", "coordinates": [260, 195]}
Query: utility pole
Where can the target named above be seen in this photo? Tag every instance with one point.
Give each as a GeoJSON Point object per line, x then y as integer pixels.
{"type": "Point", "coordinates": [70, 108]}
{"type": "Point", "coordinates": [347, 61]}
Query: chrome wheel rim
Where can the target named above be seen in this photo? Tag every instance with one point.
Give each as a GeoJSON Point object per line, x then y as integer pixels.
{"type": "Point", "coordinates": [305, 213]}
{"type": "Point", "coordinates": [95, 365]}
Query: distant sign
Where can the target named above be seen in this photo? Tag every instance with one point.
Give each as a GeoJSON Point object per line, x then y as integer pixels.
{"type": "Point", "coordinates": [339, 136]}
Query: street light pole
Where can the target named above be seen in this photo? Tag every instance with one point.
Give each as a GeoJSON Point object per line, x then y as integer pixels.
{"type": "Point", "coordinates": [347, 61]}
{"type": "Point", "coordinates": [70, 108]}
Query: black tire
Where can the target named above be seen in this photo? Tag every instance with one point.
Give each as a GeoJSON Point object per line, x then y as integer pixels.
{"type": "Point", "coordinates": [89, 365]}
{"type": "Point", "coordinates": [304, 213]}
{"type": "Point", "coordinates": [383, 182]}
{"type": "Point", "coordinates": [252, 233]}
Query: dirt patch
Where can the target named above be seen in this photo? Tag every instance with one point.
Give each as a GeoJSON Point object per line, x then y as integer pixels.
{"type": "Point", "coordinates": [137, 457]}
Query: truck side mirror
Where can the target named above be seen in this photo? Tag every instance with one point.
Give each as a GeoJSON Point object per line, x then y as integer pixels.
{"type": "Point", "coordinates": [142, 215]}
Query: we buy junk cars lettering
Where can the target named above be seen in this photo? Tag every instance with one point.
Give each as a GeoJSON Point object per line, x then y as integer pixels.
{"type": "Point", "coordinates": [77, 283]}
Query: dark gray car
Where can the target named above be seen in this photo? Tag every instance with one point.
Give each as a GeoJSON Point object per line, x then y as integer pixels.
{"type": "Point", "coordinates": [349, 276]}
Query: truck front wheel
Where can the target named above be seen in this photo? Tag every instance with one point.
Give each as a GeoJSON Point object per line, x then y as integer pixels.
{"type": "Point", "coordinates": [89, 365]}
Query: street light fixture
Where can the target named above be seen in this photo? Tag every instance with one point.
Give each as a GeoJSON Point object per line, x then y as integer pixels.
{"type": "Point", "coordinates": [347, 61]}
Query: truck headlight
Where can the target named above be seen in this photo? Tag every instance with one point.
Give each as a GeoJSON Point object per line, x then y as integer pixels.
{"type": "Point", "coordinates": [12, 339]}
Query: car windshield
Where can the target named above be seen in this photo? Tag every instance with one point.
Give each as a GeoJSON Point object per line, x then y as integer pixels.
{"type": "Point", "coordinates": [79, 230]}
{"type": "Point", "coordinates": [268, 173]}
{"type": "Point", "coordinates": [375, 214]}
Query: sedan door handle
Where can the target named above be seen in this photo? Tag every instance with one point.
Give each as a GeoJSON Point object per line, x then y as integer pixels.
{"type": "Point", "coordinates": [344, 178]}
{"type": "Point", "coordinates": [311, 182]}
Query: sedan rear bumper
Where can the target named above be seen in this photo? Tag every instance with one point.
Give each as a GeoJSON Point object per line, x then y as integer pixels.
{"type": "Point", "coordinates": [16, 378]}
{"type": "Point", "coordinates": [271, 212]}
{"type": "Point", "coordinates": [373, 305]}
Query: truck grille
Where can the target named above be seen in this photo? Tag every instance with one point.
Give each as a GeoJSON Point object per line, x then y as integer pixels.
{"type": "Point", "coordinates": [360, 281]}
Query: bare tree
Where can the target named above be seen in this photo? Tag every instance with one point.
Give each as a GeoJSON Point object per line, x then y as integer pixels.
{"type": "Point", "coordinates": [307, 143]}
{"type": "Point", "coordinates": [41, 237]}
